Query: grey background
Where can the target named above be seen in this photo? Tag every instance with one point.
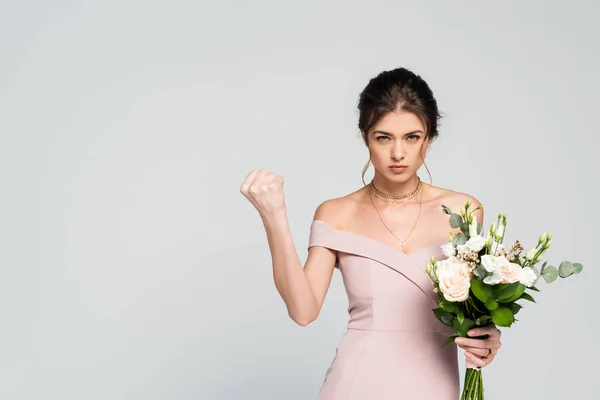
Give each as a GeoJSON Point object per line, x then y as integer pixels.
{"type": "Point", "coordinates": [132, 267]}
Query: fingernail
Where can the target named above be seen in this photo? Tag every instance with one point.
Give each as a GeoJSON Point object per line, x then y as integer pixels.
{"type": "Point", "coordinates": [471, 333]}
{"type": "Point", "coordinates": [458, 340]}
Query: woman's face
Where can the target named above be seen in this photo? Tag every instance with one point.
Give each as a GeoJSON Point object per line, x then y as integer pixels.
{"type": "Point", "coordinates": [397, 145]}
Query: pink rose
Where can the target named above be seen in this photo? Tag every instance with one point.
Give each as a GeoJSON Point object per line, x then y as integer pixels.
{"type": "Point", "coordinates": [454, 279]}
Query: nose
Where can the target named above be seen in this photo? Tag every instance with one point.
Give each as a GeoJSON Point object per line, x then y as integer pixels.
{"type": "Point", "coordinates": [397, 151]}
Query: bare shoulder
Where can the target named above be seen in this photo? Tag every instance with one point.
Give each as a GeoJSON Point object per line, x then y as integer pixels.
{"type": "Point", "coordinates": [336, 211]}
{"type": "Point", "coordinates": [455, 200]}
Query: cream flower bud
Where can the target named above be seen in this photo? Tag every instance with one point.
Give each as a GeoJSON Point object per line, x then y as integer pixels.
{"type": "Point", "coordinates": [543, 238]}
{"type": "Point", "coordinates": [473, 228]}
{"type": "Point", "coordinates": [500, 231]}
{"type": "Point", "coordinates": [493, 228]}
{"type": "Point", "coordinates": [547, 244]}
{"type": "Point", "coordinates": [531, 254]}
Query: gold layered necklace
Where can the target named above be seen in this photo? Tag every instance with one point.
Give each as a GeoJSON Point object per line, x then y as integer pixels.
{"type": "Point", "coordinates": [394, 202]}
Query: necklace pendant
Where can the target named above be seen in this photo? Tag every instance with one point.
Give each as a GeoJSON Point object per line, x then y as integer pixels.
{"type": "Point", "coordinates": [394, 202]}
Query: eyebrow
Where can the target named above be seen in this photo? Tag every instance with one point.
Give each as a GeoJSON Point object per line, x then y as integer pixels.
{"type": "Point", "coordinates": [391, 134]}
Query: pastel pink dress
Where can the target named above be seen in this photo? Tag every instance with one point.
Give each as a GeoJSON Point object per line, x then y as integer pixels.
{"type": "Point", "coordinates": [392, 348]}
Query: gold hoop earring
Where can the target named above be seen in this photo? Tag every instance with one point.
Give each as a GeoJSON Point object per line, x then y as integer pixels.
{"type": "Point", "coordinates": [425, 165]}
{"type": "Point", "coordinates": [364, 171]}
{"type": "Point", "coordinates": [428, 173]}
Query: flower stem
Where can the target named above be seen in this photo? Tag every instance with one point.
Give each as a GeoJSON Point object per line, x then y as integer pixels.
{"type": "Point", "coordinates": [473, 385]}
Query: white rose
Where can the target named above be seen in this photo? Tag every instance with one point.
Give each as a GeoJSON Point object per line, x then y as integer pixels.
{"type": "Point", "coordinates": [462, 249]}
{"type": "Point", "coordinates": [493, 279]}
{"type": "Point", "coordinates": [492, 263]}
{"type": "Point", "coordinates": [473, 228]}
{"type": "Point", "coordinates": [527, 277]}
{"type": "Point", "coordinates": [448, 249]}
{"type": "Point", "coordinates": [475, 243]}
{"type": "Point", "coordinates": [511, 272]}
{"type": "Point", "coordinates": [505, 273]}
{"type": "Point", "coordinates": [454, 279]}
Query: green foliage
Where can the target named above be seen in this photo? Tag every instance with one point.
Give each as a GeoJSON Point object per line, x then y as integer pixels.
{"type": "Point", "coordinates": [463, 327]}
{"type": "Point", "coordinates": [502, 316]}
{"type": "Point", "coordinates": [444, 317]}
{"type": "Point", "coordinates": [456, 221]}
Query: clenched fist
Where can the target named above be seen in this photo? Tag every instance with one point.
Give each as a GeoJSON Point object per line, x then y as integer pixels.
{"type": "Point", "coordinates": [264, 190]}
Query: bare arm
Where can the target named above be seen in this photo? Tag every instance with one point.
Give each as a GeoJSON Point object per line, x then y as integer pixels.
{"type": "Point", "coordinates": [302, 288]}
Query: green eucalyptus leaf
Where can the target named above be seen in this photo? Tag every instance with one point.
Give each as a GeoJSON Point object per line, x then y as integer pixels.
{"type": "Point", "coordinates": [456, 221]}
{"type": "Point", "coordinates": [565, 269]}
{"type": "Point", "coordinates": [577, 268]}
{"type": "Point", "coordinates": [502, 316]}
{"type": "Point", "coordinates": [446, 210]}
{"type": "Point", "coordinates": [480, 272]}
{"type": "Point", "coordinates": [465, 228]}
{"type": "Point", "coordinates": [550, 274]}
{"type": "Point", "coordinates": [544, 266]}
{"type": "Point", "coordinates": [461, 238]}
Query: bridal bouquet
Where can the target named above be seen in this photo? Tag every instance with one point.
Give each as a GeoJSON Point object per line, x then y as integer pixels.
{"type": "Point", "coordinates": [481, 280]}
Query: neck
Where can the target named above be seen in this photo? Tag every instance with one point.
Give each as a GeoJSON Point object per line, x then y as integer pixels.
{"type": "Point", "coordinates": [395, 188]}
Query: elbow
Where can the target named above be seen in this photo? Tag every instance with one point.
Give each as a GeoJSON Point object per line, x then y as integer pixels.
{"type": "Point", "coordinates": [304, 320]}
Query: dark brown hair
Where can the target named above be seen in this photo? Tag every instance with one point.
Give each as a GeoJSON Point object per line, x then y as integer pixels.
{"type": "Point", "coordinates": [398, 89]}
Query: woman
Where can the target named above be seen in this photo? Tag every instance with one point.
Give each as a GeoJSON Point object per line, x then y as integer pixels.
{"type": "Point", "coordinates": [380, 237]}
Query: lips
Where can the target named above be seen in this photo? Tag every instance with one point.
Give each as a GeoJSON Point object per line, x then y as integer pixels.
{"type": "Point", "coordinates": [398, 168]}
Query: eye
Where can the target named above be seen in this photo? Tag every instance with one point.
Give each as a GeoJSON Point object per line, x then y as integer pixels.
{"type": "Point", "coordinates": [381, 138]}
{"type": "Point", "coordinates": [413, 138]}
